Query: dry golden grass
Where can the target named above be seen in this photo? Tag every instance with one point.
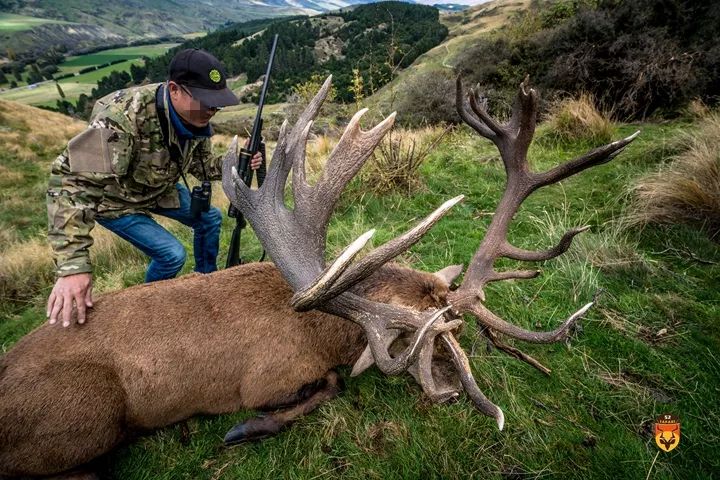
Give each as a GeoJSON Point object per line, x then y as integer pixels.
{"type": "Point", "coordinates": [686, 190]}
{"type": "Point", "coordinates": [26, 268]}
{"type": "Point", "coordinates": [577, 119]}
{"type": "Point", "coordinates": [697, 109]}
{"type": "Point", "coordinates": [25, 130]}
{"type": "Point", "coordinates": [318, 150]}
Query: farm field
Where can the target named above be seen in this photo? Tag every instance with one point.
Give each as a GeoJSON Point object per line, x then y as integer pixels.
{"type": "Point", "coordinates": [46, 93]}
{"type": "Point", "coordinates": [10, 22]}
{"type": "Point", "coordinates": [73, 64]}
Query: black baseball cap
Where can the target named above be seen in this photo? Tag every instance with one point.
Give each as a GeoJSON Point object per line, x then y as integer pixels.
{"type": "Point", "coordinates": [204, 76]}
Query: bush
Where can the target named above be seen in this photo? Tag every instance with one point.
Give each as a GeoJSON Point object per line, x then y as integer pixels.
{"type": "Point", "coordinates": [687, 190]}
{"type": "Point", "coordinates": [578, 119]}
{"type": "Point", "coordinates": [636, 57]}
{"type": "Point", "coordinates": [429, 99]}
{"type": "Point", "coordinates": [395, 164]}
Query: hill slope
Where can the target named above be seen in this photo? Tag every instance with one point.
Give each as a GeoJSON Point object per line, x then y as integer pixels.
{"type": "Point", "coordinates": [463, 29]}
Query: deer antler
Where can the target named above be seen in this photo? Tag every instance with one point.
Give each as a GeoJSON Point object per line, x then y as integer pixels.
{"type": "Point", "coordinates": [295, 238]}
{"type": "Point", "coordinates": [513, 141]}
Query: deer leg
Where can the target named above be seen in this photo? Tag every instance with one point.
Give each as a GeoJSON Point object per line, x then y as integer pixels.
{"type": "Point", "coordinates": [260, 427]}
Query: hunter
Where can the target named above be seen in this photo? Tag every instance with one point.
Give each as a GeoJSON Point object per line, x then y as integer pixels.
{"type": "Point", "coordinates": [127, 166]}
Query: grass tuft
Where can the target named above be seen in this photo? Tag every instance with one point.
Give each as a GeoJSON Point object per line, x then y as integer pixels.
{"type": "Point", "coordinates": [686, 190]}
{"type": "Point", "coordinates": [577, 120]}
{"type": "Point", "coordinates": [395, 164]}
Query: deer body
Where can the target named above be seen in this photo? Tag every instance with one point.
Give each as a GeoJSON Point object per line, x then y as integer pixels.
{"type": "Point", "coordinates": [155, 354]}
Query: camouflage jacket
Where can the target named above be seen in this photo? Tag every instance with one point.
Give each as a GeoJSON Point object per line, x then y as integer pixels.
{"type": "Point", "coordinates": [118, 166]}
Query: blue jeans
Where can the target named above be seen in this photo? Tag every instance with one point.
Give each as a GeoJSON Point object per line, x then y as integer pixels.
{"type": "Point", "coordinates": [167, 254]}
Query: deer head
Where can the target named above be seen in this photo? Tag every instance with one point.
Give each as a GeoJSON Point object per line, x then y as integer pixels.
{"type": "Point", "coordinates": [295, 239]}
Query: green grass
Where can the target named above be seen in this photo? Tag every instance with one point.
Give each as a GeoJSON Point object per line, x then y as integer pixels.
{"type": "Point", "coordinates": [11, 23]}
{"type": "Point", "coordinates": [73, 64]}
{"type": "Point", "coordinates": [591, 418]}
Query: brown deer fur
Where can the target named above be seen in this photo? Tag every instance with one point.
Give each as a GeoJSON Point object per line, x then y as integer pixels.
{"type": "Point", "coordinates": [155, 354]}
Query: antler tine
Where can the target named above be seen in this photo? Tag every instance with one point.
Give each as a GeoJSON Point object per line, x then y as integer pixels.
{"type": "Point", "coordinates": [484, 116]}
{"type": "Point", "coordinates": [467, 116]}
{"type": "Point", "coordinates": [523, 120]}
{"type": "Point", "coordinates": [346, 159]}
{"type": "Point", "coordinates": [489, 319]}
{"type": "Point", "coordinates": [468, 381]}
{"type": "Point", "coordinates": [597, 156]}
{"type": "Point", "coordinates": [311, 111]}
{"type": "Point", "coordinates": [424, 365]}
{"type": "Point", "coordinates": [316, 294]}
{"type": "Point", "coordinates": [511, 251]}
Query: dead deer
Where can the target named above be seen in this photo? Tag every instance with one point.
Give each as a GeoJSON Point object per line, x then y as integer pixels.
{"type": "Point", "coordinates": [268, 335]}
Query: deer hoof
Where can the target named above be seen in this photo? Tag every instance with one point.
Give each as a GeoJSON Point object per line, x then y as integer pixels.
{"type": "Point", "coordinates": [252, 429]}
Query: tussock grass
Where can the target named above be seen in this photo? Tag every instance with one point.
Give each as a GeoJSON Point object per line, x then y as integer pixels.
{"type": "Point", "coordinates": [686, 190]}
{"type": "Point", "coordinates": [395, 164]}
{"type": "Point", "coordinates": [318, 151]}
{"type": "Point", "coordinates": [696, 109]}
{"type": "Point", "coordinates": [577, 119]}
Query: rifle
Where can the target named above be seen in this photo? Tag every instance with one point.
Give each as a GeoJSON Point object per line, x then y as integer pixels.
{"type": "Point", "coordinates": [244, 170]}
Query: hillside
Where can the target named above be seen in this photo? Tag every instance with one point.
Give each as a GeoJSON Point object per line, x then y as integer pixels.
{"type": "Point", "coordinates": [29, 139]}
{"type": "Point", "coordinates": [89, 23]}
{"type": "Point", "coordinates": [373, 38]}
{"type": "Point", "coordinates": [464, 28]}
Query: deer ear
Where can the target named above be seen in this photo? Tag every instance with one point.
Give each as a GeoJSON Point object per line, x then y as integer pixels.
{"type": "Point", "coordinates": [449, 274]}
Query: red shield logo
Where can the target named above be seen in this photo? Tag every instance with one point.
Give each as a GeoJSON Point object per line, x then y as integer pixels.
{"type": "Point", "coordinates": [667, 432]}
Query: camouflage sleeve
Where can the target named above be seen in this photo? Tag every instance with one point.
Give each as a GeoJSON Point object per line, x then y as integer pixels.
{"type": "Point", "coordinates": [75, 190]}
{"type": "Point", "coordinates": [203, 155]}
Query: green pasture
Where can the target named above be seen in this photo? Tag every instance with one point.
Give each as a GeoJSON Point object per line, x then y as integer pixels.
{"type": "Point", "coordinates": [73, 64]}
{"type": "Point", "coordinates": [651, 344]}
{"type": "Point", "coordinates": [10, 22]}
{"type": "Point", "coordinates": [46, 93]}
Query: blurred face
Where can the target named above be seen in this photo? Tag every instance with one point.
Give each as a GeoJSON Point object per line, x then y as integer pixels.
{"type": "Point", "coordinates": [190, 110]}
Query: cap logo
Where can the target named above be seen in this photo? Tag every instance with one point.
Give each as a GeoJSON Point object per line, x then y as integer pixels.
{"type": "Point", "coordinates": [215, 76]}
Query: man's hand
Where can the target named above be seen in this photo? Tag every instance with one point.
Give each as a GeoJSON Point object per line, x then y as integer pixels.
{"type": "Point", "coordinates": [256, 160]}
{"type": "Point", "coordinates": [73, 288]}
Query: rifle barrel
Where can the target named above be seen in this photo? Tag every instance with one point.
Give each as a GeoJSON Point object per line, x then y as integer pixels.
{"type": "Point", "coordinates": [261, 103]}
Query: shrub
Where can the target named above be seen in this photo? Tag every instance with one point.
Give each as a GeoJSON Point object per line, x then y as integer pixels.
{"type": "Point", "coordinates": [577, 119]}
{"type": "Point", "coordinates": [429, 99]}
{"type": "Point", "coordinates": [687, 190]}
{"type": "Point", "coordinates": [395, 164]}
